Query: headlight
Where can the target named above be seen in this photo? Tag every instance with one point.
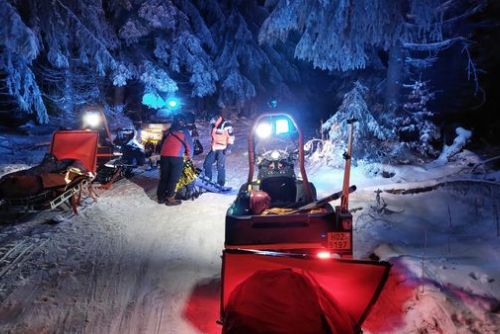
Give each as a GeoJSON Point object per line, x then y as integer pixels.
{"type": "Point", "coordinates": [92, 119]}
{"type": "Point", "coordinates": [264, 130]}
{"type": "Point", "coordinates": [275, 155]}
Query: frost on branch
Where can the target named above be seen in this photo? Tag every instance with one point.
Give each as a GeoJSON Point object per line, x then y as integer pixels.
{"type": "Point", "coordinates": [187, 53]}
{"type": "Point", "coordinates": [146, 17]}
{"type": "Point", "coordinates": [121, 74]}
{"type": "Point", "coordinates": [19, 47]}
{"type": "Point", "coordinates": [155, 79]}
{"type": "Point", "coordinates": [132, 31]}
{"type": "Point", "coordinates": [335, 35]}
{"type": "Point", "coordinates": [235, 86]}
{"type": "Point", "coordinates": [158, 14]}
{"type": "Point", "coordinates": [15, 36]}
{"type": "Point", "coordinates": [21, 84]}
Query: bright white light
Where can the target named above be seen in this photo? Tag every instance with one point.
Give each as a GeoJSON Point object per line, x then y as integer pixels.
{"type": "Point", "coordinates": [172, 103]}
{"type": "Point", "coordinates": [264, 130]}
{"type": "Point", "coordinates": [282, 126]}
{"type": "Point", "coordinates": [323, 255]}
{"type": "Point", "coordinates": [275, 155]}
{"type": "Point", "coordinates": [92, 119]}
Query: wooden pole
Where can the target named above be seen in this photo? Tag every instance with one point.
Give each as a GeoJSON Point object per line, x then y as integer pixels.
{"type": "Point", "coordinates": [344, 200]}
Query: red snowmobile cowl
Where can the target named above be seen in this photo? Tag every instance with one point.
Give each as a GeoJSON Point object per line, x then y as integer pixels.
{"type": "Point", "coordinates": [76, 144]}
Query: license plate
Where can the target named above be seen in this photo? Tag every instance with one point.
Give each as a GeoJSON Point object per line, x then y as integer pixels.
{"type": "Point", "coordinates": [339, 240]}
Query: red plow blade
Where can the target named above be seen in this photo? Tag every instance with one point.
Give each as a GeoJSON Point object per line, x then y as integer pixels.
{"type": "Point", "coordinates": [353, 285]}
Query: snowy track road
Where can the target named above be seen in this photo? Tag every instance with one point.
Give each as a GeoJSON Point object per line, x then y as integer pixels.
{"type": "Point", "coordinates": [128, 265]}
{"type": "Point", "coordinates": [123, 265]}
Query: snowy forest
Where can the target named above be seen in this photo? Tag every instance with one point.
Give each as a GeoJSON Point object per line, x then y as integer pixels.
{"type": "Point", "coordinates": [422, 64]}
{"type": "Point", "coordinates": [347, 149]}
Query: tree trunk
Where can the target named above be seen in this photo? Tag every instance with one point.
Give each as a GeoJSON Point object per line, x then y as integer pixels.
{"type": "Point", "coordinates": [68, 117]}
{"type": "Point", "coordinates": [394, 78]}
{"type": "Point", "coordinates": [119, 95]}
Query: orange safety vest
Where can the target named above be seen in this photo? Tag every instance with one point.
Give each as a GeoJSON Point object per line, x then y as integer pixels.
{"type": "Point", "coordinates": [221, 137]}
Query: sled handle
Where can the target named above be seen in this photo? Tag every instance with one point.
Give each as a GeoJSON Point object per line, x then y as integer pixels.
{"type": "Point", "coordinates": [251, 150]}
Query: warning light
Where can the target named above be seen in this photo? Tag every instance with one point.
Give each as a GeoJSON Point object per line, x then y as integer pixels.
{"type": "Point", "coordinates": [282, 126]}
{"type": "Point", "coordinates": [172, 102]}
{"type": "Point", "coordinates": [324, 255]}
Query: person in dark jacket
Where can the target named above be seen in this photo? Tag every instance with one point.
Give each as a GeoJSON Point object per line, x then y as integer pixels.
{"type": "Point", "coordinates": [176, 144]}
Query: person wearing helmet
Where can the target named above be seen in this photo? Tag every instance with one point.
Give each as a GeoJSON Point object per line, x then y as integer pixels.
{"type": "Point", "coordinates": [176, 144]}
{"type": "Point", "coordinates": [222, 139]}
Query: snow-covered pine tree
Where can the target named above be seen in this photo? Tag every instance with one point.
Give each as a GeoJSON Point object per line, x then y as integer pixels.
{"type": "Point", "coordinates": [72, 34]}
{"type": "Point", "coordinates": [414, 126]}
{"type": "Point", "coordinates": [244, 67]}
{"type": "Point", "coordinates": [19, 46]}
{"type": "Point", "coordinates": [169, 47]}
{"type": "Point", "coordinates": [342, 35]}
{"type": "Point", "coordinates": [335, 35]}
{"type": "Point", "coordinates": [369, 135]}
{"type": "Point", "coordinates": [146, 28]}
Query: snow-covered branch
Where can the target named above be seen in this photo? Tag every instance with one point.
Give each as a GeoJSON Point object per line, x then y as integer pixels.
{"type": "Point", "coordinates": [434, 46]}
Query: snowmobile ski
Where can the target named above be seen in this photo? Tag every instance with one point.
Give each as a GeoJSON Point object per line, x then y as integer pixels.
{"type": "Point", "coordinates": [205, 183]}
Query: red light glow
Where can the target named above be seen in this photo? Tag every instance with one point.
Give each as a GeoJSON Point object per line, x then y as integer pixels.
{"type": "Point", "coordinates": [324, 255]}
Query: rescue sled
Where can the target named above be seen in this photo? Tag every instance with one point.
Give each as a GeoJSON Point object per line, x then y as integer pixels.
{"type": "Point", "coordinates": [193, 183]}
{"type": "Point", "coordinates": [278, 231]}
{"type": "Point", "coordinates": [62, 176]}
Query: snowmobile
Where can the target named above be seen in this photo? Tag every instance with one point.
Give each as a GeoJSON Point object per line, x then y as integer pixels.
{"type": "Point", "coordinates": [280, 239]}
{"type": "Point", "coordinates": [114, 158]}
{"type": "Point", "coordinates": [151, 135]}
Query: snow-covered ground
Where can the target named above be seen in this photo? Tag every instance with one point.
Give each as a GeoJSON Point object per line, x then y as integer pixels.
{"type": "Point", "coordinates": [128, 265]}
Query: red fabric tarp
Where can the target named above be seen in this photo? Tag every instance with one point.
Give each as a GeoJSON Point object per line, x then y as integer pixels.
{"type": "Point", "coordinates": [350, 286]}
{"type": "Point", "coordinates": [76, 144]}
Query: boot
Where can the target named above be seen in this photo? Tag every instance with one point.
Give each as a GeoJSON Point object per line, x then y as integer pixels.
{"type": "Point", "coordinates": [170, 201]}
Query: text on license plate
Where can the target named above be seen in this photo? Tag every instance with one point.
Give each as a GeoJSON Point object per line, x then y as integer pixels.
{"type": "Point", "coordinates": [339, 240]}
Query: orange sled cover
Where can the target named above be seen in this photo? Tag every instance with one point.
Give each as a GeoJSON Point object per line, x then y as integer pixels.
{"type": "Point", "coordinates": [268, 292]}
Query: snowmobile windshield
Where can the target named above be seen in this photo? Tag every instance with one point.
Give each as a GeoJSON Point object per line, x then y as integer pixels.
{"type": "Point", "coordinates": [275, 138]}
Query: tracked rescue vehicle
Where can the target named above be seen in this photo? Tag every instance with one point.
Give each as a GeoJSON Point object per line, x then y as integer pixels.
{"type": "Point", "coordinates": [280, 239]}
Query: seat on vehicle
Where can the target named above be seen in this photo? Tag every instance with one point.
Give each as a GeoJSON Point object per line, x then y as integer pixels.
{"type": "Point", "coordinates": [281, 189]}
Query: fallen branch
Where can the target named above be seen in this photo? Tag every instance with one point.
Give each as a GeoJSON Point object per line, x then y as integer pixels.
{"type": "Point", "coordinates": [423, 189]}
{"type": "Point", "coordinates": [484, 162]}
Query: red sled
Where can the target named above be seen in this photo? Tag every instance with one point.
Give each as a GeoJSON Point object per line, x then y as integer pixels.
{"type": "Point", "coordinates": [69, 167]}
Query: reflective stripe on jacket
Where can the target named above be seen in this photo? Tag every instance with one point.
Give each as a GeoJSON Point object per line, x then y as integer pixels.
{"type": "Point", "coordinates": [222, 134]}
{"type": "Point", "coordinates": [176, 144]}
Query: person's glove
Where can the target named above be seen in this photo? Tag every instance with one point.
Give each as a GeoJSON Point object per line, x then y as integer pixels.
{"type": "Point", "coordinates": [227, 151]}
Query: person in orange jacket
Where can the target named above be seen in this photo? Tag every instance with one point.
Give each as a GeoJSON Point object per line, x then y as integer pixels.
{"type": "Point", "coordinates": [222, 139]}
{"type": "Point", "coordinates": [176, 143]}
